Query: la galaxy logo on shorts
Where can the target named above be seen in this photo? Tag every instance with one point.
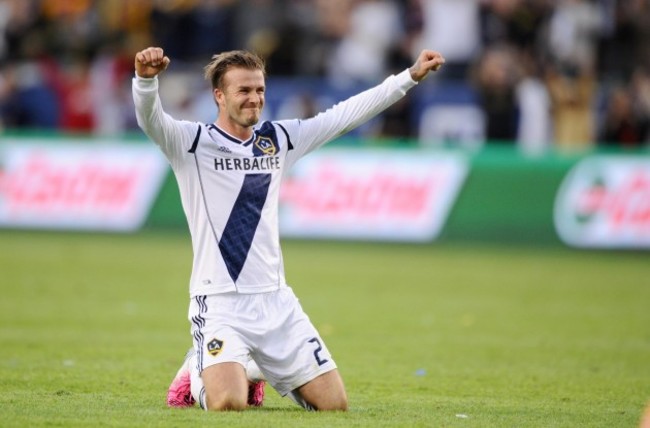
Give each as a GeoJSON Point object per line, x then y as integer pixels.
{"type": "Point", "coordinates": [266, 146]}
{"type": "Point", "coordinates": [215, 346]}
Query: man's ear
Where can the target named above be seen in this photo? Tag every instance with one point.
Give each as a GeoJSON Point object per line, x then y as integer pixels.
{"type": "Point", "coordinates": [218, 96]}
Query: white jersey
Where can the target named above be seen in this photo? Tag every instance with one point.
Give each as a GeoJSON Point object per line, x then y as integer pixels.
{"type": "Point", "coordinates": [230, 188]}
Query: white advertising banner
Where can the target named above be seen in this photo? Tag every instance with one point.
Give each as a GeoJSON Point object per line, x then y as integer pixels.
{"type": "Point", "coordinates": [604, 202]}
{"type": "Point", "coordinates": [379, 195]}
{"type": "Point", "coordinates": [78, 186]}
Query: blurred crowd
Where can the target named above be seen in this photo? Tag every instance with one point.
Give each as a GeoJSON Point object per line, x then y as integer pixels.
{"type": "Point", "coordinates": [570, 74]}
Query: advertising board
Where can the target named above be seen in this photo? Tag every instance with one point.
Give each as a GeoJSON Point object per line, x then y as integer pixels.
{"type": "Point", "coordinates": [604, 202]}
{"type": "Point", "coordinates": [380, 195]}
{"type": "Point", "coordinates": [78, 186]}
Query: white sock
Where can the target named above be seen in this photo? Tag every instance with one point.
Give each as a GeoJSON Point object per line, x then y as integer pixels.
{"type": "Point", "coordinates": [253, 372]}
{"type": "Point", "coordinates": [196, 383]}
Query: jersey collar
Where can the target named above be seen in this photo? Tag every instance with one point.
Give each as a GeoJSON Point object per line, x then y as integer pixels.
{"type": "Point", "coordinates": [230, 137]}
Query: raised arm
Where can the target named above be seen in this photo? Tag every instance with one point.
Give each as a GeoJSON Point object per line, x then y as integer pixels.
{"type": "Point", "coordinates": [173, 136]}
{"type": "Point", "coordinates": [347, 115]}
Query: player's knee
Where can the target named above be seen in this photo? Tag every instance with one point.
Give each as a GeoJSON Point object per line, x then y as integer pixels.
{"type": "Point", "coordinates": [225, 401]}
{"type": "Point", "coordinates": [327, 403]}
{"type": "Point", "coordinates": [338, 403]}
{"type": "Point", "coordinates": [324, 393]}
{"type": "Point", "coordinates": [341, 404]}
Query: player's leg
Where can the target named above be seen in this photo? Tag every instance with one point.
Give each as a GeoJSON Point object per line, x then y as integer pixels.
{"type": "Point", "coordinates": [226, 386]}
{"type": "Point", "coordinates": [326, 392]}
{"type": "Point", "coordinates": [294, 356]}
{"type": "Point", "coordinates": [220, 370]}
{"type": "Point", "coordinates": [178, 391]}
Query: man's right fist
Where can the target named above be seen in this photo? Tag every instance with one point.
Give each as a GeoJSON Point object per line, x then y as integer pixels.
{"type": "Point", "coordinates": [150, 62]}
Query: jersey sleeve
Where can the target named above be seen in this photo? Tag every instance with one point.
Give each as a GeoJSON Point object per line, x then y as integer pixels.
{"type": "Point", "coordinates": [174, 137]}
{"type": "Point", "coordinates": [309, 134]}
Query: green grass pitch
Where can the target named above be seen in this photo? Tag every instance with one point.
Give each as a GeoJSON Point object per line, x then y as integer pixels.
{"type": "Point", "coordinates": [93, 327]}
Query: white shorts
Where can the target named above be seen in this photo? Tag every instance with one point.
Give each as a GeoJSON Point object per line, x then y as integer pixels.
{"type": "Point", "coordinates": [271, 328]}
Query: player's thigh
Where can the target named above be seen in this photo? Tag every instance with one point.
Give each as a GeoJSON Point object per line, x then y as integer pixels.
{"type": "Point", "coordinates": [325, 392]}
{"type": "Point", "coordinates": [291, 352]}
{"type": "Point", "coordinates": [226, 386]}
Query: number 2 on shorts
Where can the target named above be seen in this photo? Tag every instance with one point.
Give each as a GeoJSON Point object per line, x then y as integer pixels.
{"type": "Point", "coordinates": [318, 349]}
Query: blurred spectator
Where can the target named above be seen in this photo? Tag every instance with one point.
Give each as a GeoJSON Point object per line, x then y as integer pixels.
{"type": "Point", "coordinates": [67, 64]}
{"type": "Point", "coordinates": [575, 28]}
{"type": "Point", "coordinates": [125, 26]}
{"type": "Point", "coordinates": [627, 42]}
{"type": "Point", "coordinates": [172, 26]}
{"type": "Point", "coordinates": [496, 82]}
{"type": "Point", "coordinates": [535, 125]}
{"type": "Point", "coordinates": [333, 23]}
{"type": "Point", "coordinates": [110, 90]}
{"type": "Point", "coordinates": [71, 81]}
{"type": "Point", "coordinates": [206, 17]}
{"type": "Point", "coordinates": [396, 123]}
{"type": "Point", "coordinates": [28, 102]}
{"type": "Point", "coordinates": [19, 29]}
{"type": "Point", "coordinates": [641, 13]}
{"type": "Point", "coordinates": [453, 28]}
{"type": "Point", "coordinates": [412, 18]}
{"type": "Point", "coordinates": [519, 23]}
{"type": "Point", "coordinates": [623, 126]}
{"type": "Point", "coordinates": [5, 17]}
{"type": "Point", "coordinates": [572, 101]}
{"type": "Point", "coordinates": [4, 95]}
{"type": "Point", "coordinates": [641, 91]}
{"type": "Point", "coordinates": [71, 28]}
{"type": "Point", "coordinates": [362, 54]}
{"type": "Point", "coordinates": [309, 44]}
{"type": "Point", "coordinates": [301, 106]}
{"type": "Point", "coordinates": [265, 27]}
{"type": "Point", "coordinates": [258, 25]}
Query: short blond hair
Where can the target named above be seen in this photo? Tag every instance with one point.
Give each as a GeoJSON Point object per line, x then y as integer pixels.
{"type": "Point", "coordinates": [224, 61]}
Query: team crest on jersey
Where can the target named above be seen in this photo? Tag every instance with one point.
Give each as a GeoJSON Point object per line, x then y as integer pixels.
{"type": "Point", "coordinates": [215, 346]}
{"type": "Point", "coordinates": [266, 146]}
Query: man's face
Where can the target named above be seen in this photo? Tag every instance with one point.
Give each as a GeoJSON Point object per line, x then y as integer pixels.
{"type": "Point", "coordinates": [242, 96]}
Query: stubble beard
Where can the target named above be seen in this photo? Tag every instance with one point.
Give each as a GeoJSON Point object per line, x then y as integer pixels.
{"type": "Point", "coordinates": [254, 118]}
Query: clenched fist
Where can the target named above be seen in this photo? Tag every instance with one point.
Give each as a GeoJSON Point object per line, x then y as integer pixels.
{"type": "Point", "coordinates": [150, 62]}
{"type": "Point", "coordinates": [427, 61]}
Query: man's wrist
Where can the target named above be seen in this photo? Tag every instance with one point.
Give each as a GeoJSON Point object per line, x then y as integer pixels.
{"type": "Point", "coordinates": [144, 78]}
{"type": "Point", "coordinates": [405, 79]}
{"type": "Point", "coordinates": [146, 83]}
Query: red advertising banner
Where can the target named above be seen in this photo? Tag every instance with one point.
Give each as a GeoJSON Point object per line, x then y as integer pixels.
{"type": "Point", "coordinates": [83, 186]}
{"type": "Point", "coordinates": [604, 202]}
{"type": "Point", "coordinates": [378, 195]}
